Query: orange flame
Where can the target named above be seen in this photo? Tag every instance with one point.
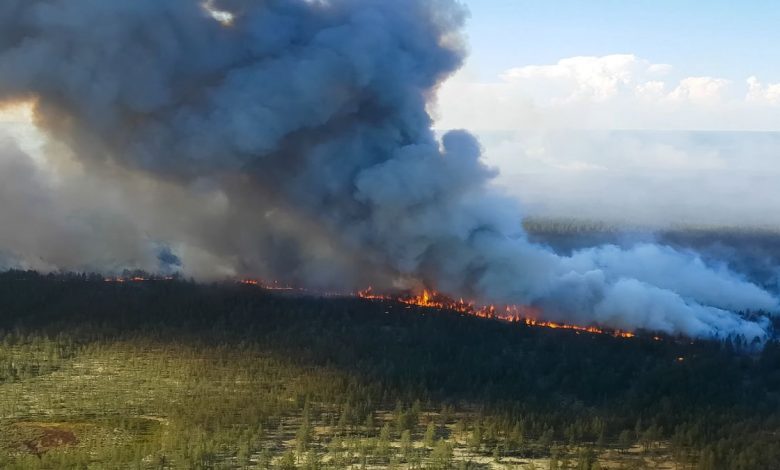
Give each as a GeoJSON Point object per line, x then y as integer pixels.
{"type": "Point", "coordinates": [369, 294]}
{"type": "Point", "coordinates": [431, 299]}
{"type": "Point", "coordinates": [511, 313]}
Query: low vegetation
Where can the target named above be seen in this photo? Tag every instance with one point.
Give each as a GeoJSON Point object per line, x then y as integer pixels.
{"type": "Point", "coordinates": [171, 374]}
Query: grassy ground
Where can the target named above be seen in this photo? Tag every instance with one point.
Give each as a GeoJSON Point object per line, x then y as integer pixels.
{"type": "Point", "coordinates": [179, 375]}
{"type": "Point", "coordinates": [153, 404]}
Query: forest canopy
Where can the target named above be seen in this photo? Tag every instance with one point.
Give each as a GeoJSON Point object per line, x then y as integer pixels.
{"type": "Point", "coordinates": [175, 374]}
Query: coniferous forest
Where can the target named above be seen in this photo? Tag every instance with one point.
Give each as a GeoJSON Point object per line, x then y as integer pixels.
{"type": "Point", "coordinates": [173, 374]}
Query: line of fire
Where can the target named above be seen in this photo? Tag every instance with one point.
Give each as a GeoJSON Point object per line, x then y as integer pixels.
{"type": "Point", "coordinates": [530, 316]}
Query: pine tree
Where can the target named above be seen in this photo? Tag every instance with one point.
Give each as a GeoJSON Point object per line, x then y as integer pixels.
{"type": "Point", "coordinates": [406, 443]}
{"type": "Point", "coordinates": [430, 435]}
{"type": "Point", "coordinates": [475, 440]}
{"type": "Point", "coordinates": [441, 457]}
{"type": "Point", "coordinates": [383, 444]}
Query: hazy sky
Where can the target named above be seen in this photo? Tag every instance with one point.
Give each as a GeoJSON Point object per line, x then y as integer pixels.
{"type": "Point", "coordinates": [618, 65]}
{"type": "Point", "coordinates": [646, 111]}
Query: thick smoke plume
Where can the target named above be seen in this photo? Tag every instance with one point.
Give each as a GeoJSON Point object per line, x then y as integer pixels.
{"type": "Point", "coordinates": [290, 139]}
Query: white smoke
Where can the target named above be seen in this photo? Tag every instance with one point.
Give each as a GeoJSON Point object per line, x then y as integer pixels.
{"type": "Point", "coordinates": [294, 142]}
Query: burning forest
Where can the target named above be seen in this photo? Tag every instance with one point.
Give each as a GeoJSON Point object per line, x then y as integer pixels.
{"type": "Point", "coordinates": [509, 313]}
{"type": "Point", "coordinates": [427, 298]}
{"type": "Point", "coordinates": [431, 299]}
{"type": "Point", "coordinates": [293, 140]}
{"type": "Point", "coordinates": [298, 262]}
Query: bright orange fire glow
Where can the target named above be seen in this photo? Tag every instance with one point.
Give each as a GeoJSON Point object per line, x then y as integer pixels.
{"type": "Point", "coordinates": [510, 313]}
{"type": "Point", "coordinates": [431, 299]}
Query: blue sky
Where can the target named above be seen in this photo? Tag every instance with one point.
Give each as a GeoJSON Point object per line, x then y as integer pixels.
{"type": "Point", "coordinates": [634, 110]}
{"type": "Point", "coordinates": [618, 64]}
{"type": "Point", "coordinates": [728, 38]}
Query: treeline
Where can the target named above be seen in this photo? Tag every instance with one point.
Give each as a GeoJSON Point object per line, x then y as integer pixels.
{"type": "Point", "coordinates": [231, 373]}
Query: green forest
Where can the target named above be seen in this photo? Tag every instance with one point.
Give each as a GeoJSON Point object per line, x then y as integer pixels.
{"type": "Point", "coordinates": [168, 374]}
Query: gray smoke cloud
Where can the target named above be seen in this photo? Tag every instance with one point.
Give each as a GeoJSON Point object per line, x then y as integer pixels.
{"type": "Point", "coordinates": [294, 142]}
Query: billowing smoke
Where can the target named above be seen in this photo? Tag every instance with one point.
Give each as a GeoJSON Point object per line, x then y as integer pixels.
{"type": "Point", "coordinates": [290, 139]}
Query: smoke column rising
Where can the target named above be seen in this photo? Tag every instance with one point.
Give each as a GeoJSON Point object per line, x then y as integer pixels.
{"type": "Point", "coordinates": [291, 139]}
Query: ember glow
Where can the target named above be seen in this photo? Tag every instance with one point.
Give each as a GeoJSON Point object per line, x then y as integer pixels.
{"type": "Point", "coordinates": [293, 140]}
{"type": "Point", "coordinates": [511, 313]}
{"type": "Point", "coordinates": [427, 299]}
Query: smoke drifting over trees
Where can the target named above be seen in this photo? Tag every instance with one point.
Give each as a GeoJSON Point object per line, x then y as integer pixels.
{"type": "Point", "coordinates": [291, 140]}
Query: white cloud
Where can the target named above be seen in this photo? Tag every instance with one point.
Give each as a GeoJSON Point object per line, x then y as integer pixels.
{"type": "Point", "coordinates": [763, 94]}
{"type": "Point", "coordinates": [619, 137]}
{"type": "Point", "coordinates": [652, 90]}
{"type": "Point", "coordinates": [620, 91]}
{"type": "Point", "coordinates": [585, 78]}
{"type": "Point", "coordinates": [706, 90]}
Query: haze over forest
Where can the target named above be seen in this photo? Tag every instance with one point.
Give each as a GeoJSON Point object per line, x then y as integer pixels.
{"type": "Point", "coordinates": [408, 234]}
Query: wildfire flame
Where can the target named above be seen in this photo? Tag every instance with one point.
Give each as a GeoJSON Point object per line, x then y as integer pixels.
{"type": "Point", "coordinates": [432, 299]}
{"type": "Point", "coordinates": [511, 313]}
